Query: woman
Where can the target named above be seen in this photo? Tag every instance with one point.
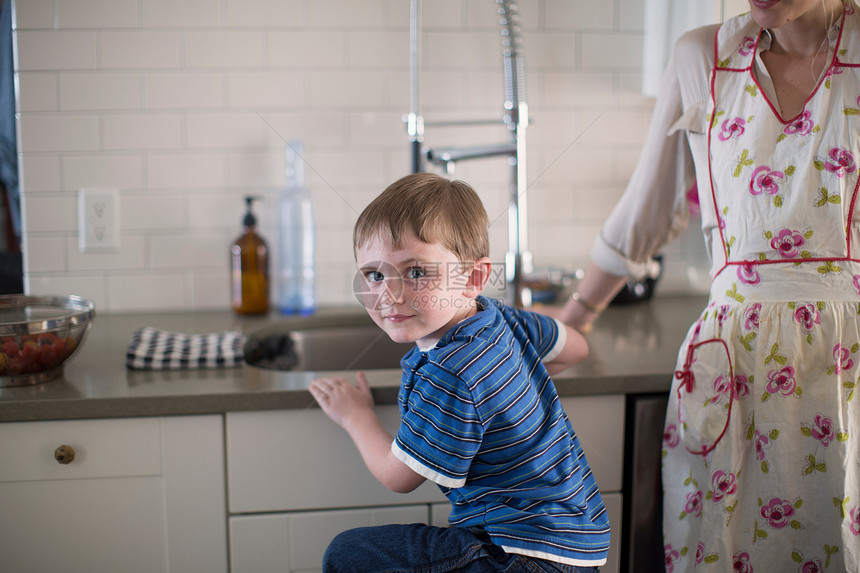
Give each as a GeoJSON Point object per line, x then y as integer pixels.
{"type": "Point", "coordinates": [761, 470]}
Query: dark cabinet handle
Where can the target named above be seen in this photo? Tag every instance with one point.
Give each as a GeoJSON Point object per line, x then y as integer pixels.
{"type": "Point", "coordinates": [64, 454]}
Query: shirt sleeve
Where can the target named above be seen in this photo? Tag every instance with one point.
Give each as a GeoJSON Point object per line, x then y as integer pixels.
{"type": "Point", "coordinates": [440, 430]}
{"type": "Point", "coordinates": [653, 209]}
{"type": "Point", "coordinates": [546, 334]}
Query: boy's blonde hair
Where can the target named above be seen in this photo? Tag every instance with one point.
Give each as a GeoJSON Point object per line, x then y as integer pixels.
{"type": "Point", "coordinates": [436, 209]}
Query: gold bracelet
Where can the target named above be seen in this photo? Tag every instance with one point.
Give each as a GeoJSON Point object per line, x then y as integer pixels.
{"type": "Point", "coordinates": [576, 297]}
{"type": "Point", "coordinates": [584, 329]}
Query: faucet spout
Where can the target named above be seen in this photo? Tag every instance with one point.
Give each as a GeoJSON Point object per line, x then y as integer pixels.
{"type": "Point", "coordinates": [445, 155]}
{"type": "Point", "coordinates": [518, 259]}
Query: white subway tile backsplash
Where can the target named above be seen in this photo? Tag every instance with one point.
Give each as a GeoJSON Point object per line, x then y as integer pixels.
{"type": "Point", "coordinates": [632, 15]}
{"type": "Point", "coordinates": [50, 213]}
{"type": "Point", "coordinates": [378, 127]}
{"type": "Point", "coordinates": [38, 91]}
{"type": "Point", "coordinates": [348, 89]}
{"type": "Point", "coordinates": [224, 49]}
{"type": "Point", "coordinates": [437, 14]}
{"type": "Point", "coordinates": [210, 289]}
{"type": "Point", "coordinates": [143, 292]}
{"type": "Point", "coordinates": [329, 129]}
{"type": "Point", "coordinates": [580, 15]}
{"type": "Point", "coordinates": [577, 89]}
{"type": "Point", "coordinates": [91, 286]}
{"type": "Point", "coordinates": [123, 171]}
{"type": "Point", "coordinates": [99, 91]}
{"type": "Point", "coordinates": [37, 173]}
{"type": "Point", "coordinates": [192, 170]}
{"type": "Point", "coordinates": [352, 14]}
{"type": "Point", "coordinates": [451, 50]}
{"type": "Point", "coordinates": [594, 202]}
{"type": "Point", "coordinates": [141, 131]}
{"type": "Point", "coordinates": [575, 163]}
{"type": "Point", "coordinates": [34, 14]}
{"type": "Point", "coordinates": [151, 211]}
{"type": "Point", "coordinates": [441, 91]}
{"type": "Point", "coordinates": [181, 250]}
{"type": "Point", "coordinates": [263, 13]}
{"type": "Point", "coordinates": [307, 49]}
{"type": "Point", "coordinates": [139, 49]}
{"type": "Point", "coordinates": [551, 126]}
{"type": "Point", "coordinates": [608, 51]}
{"type": "Point", "coordinates": [187, 90]}
{"type": "Point", "coordinates": [225, 130]}
{"type": "Point", "coordinates": [185, 107]}
{"type": "Point", "coordinates": [550, 204]}
{"type": "Point", "coordinates": [549, 50]}
{"type": "Point", "coordinates": [57, 50]}
{"type": "Point", "coordinates": [374, 49]}
{"type": "Point", "coordinates": [266, 90]}
{"type": "Point", "coordinates": [486, 92]}
{"type": "Point", "coordinates": [219, 209]}
{"type": "Point", "coordinates": [97, 13]}
{"type": "Point", "coordinates": [47, 253]}
{"type": "Point", "coordinates": [131, 255]}
{"type": "Point", "coordinates": [257, 169]}
{"type": "Point", "coordinates": [341, 170]}
{"type": "Point", "coordinates": [59, 132]}
{"type": "Point", "coordinates": [184, 14]}
{"type": "Point", "coordinates": [616, 127]}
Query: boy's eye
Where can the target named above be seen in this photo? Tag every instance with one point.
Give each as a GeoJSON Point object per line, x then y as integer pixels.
{"type": "Point", "coordinates": [415, 273]}
{"type": "Point", "coordinates": [375, 276]}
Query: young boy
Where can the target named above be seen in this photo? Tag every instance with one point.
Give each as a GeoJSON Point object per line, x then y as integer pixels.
{"type": "Point", "coordinates": [480, 415]}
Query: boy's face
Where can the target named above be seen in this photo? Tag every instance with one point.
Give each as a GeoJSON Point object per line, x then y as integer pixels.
{"type": "Point", "coordinates": [415, 293]}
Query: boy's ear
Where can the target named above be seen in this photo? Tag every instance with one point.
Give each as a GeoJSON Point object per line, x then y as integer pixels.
{"type": "Point", "coordinates": [479, 276]}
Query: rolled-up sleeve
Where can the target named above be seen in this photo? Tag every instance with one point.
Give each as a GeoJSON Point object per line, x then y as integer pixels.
{"type": "Point", "coordinates": [653, 209]}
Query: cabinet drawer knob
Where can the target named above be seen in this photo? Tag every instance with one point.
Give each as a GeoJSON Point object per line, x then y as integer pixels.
{"type": "Point", "coordinates": [64, 454]}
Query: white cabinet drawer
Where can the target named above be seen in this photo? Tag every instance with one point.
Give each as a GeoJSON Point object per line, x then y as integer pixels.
{"type": "Point", "coordinates": [109, 448]}
{"type": "Point", "coordinates": [148, 496]}
{"type": "Point", "coordinates": [293, 542]}
{"type": "Point", "coordinates": [299, 459]}
{"type": "Point", "coordinates": [599, 425]}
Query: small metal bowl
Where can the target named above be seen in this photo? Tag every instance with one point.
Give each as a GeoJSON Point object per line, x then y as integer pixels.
{"type": "Point", "coordinates": [39, 334]}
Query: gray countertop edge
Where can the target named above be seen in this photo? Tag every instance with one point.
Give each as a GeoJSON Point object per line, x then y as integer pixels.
{"type": "Point", "coordinates": [205, 404]}
{"type": "Point", "coordinates": [633, 351]}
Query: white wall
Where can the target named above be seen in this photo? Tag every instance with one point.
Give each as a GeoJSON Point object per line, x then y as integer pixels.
{"type": "Point", "coordinates": [184, 105]}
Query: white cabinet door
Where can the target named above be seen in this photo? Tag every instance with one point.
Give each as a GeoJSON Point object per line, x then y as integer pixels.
{"type": "Point", "coordinates": [296, 542]}
{"type": "Point", "coordinates": [599, 425]}
{"type": "Point", "coordinates": [142, 494]}
{"type": "Point", "coordinates": [613, 504]}
{"type": "Point", "coordinates": [287, 460]}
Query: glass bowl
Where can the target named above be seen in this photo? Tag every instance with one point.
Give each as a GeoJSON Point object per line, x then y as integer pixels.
{"type": "Point", "coordinates": [39, 334]}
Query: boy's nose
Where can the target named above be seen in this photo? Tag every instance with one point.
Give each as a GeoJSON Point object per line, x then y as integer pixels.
{"type": "Point", "coordinates": [393, 291]}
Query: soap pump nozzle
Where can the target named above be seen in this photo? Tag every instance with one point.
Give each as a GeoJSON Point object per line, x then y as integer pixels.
{"type": "Point", "coordinates": [249, 220]}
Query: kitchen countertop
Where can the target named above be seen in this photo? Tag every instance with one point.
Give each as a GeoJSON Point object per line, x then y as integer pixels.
{"type": "Point", "coordinates": [633, 350]}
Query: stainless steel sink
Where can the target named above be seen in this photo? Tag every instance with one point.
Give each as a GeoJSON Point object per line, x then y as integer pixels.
{"type": "Point", "coordinates": [336, 347]}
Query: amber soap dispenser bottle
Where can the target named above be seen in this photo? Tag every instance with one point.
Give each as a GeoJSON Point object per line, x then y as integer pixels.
{"type": "Point", "coordinates": [249, 262]}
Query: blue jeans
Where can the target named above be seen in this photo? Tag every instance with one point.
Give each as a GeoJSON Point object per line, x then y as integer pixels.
{"type": "Point", "coordinates": [419, 548]}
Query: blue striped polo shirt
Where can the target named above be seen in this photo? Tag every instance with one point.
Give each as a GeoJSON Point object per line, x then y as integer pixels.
{"type": "Point", "coordinates": [481, 417]}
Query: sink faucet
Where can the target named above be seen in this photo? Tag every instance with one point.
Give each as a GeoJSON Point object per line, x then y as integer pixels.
{"type": "Point", "coordinates": [518, 259]}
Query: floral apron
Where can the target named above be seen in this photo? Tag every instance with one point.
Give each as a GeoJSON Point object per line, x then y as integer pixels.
{"type": "Point", "coordinates": [761, 459]}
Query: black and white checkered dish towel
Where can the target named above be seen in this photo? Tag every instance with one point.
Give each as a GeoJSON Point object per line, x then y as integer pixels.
{"type": "Point", "coordinates": [153, 349]}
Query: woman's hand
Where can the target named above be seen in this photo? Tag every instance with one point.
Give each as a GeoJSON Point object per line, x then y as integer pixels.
{"type": "Point", "coordinates": [340, 400]}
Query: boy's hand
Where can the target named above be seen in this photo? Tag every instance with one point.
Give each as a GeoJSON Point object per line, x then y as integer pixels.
{"type": "Point", "coordinates": [340, 400]}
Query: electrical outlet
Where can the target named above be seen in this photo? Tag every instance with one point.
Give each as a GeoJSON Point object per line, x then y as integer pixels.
{"type": "Point", "coordinates": [98, 220]}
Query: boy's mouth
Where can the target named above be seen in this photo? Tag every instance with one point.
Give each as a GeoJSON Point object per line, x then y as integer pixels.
{"type": "Point", "coordinates": [398, 317]}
